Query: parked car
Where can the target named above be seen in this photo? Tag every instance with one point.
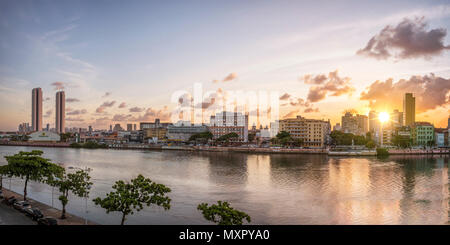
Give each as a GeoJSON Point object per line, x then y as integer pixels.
{"type": "Point", "coordinates": [47, 221]}
{"type": "Point", "coordinates": [21, 206]}
{"type": "Point", "coordinates": [10, 200]}
{"type": "Point", "coordinates": [34, 213]}
{"type": "Point", "coordinates": [1, 195]}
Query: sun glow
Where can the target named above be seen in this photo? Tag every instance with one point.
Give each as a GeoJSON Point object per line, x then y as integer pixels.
{"type": "Point", "coordinates": [383, 117]}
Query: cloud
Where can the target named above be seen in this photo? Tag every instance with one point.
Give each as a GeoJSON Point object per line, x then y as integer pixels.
{"type": "Point", "coordinates": [309, 110]}
{"type": "Point", "coordinates": [70, 100]}
{"type": "Point", "coordinates": [103, 106]}
{"type": "Point", "coordinates": [106, 94]}
{"type": "Point", "coordinates": [291, 114]}
{"type": "Point", "coordinates": [430, 92]}
{"type": "Point", "coordinates": [74, 119]}
{"type": "Point", "coordinates": [122, 105]}
{"type": "Point", "coordinates": [137, 109]}
{"type": "Point", "coordinates": [285, 96]}
{"type": "Point", "coordinates": [409, 39]}
{"type": "Point", "coordinates": [230, 77]}
{"type": "Point", "coordinates": [331, 85]}
{"type": "Point", "coordinates": [77, 112]}
{"type": "Point", "coordinates": [58, 85]}
{"type": "Point", "coordinates": [299, 102]}
{"type": "Point", "coordinates": [121, 117]}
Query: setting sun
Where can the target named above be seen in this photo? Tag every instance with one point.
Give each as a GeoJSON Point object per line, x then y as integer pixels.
{"type": "Point", "coordinates": [383, 117]}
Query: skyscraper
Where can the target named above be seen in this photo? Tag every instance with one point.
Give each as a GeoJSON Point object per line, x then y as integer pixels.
{"type": "Point", "coordinates": [60, 112]}
{"type": "Point", "coordinates": [409, 109]}
{"type": "Point", "coordinates": [36, 109]}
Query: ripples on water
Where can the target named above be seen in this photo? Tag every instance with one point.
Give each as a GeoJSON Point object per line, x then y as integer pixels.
{"type": "Point", "coordinates": [273, 189]}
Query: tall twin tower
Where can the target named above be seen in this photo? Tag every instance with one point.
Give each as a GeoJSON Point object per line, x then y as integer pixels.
{"type": "Point", "coordinates": [36, 110]}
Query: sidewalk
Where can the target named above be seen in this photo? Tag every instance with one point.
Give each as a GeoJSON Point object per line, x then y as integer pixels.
{"type": "Point", "coordinates": [46, 211]}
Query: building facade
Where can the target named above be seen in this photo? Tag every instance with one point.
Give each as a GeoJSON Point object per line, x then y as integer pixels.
{"type": "Point", "coordinates": [156, 124]}
{"type": "Point", "coordinates": [36, 109]}
{"type": "Point", "coordinates": [60, 122]}
{"type": "Point", "coordinates": [229, 122]}
{"type": "Point", "coordinates": [313, 132]}
{"type": "Point", "coordinates": [182, 132]}
{"type": "Point", "coordinates": [44, 136]}
{"type": "Point", "coordinates": [357, 125]}
{"type": "Point", "coordinates": [409, 109]}
{"type": "Point", "coordinates": [423, 133]}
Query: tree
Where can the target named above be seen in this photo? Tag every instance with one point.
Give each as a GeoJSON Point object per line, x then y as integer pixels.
{"type": "Point", "coordinates": [223, 214]}
{"type": "Point", "coordinates": [77, 183]}
{"type": "Point", "coordinates": [31, 166]}
{"type": "Point", "coordinates": [3, 172]}
{"type": "Point", "coordinates": [65, 136]}
{"type": "Point", "coordinates": [228, 137]}
{"type": "Point", "coordinates": [203, 136]}
{"type": "Point", "coordinates": [128, 197]}
{"type": "Point", "coordinates": [283, 134]}
{"type": "Point", "coordinates": [370, 144]}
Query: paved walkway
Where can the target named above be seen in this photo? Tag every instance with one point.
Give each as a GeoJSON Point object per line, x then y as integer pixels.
{"type": "Point", "coordinates": [9, 216]}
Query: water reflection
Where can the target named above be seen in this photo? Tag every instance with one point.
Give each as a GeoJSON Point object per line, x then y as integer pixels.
{"type": "Point", "coordinates": [272, 188]}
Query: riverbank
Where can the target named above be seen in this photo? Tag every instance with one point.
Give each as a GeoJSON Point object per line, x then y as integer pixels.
{"type": "Point", "coordinates": [47, 210]}
{"type": "Point", "coordinates": [242, 149]}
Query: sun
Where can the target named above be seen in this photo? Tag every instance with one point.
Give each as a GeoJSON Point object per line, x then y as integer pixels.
{"type": "Point", "coordinates": [383, 117]}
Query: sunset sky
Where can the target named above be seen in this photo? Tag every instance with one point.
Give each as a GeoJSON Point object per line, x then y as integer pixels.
{"type": "Point", "coordinates": [120, 62]}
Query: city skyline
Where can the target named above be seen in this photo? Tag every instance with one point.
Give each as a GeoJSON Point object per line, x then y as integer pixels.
{"type": "Point", "coordinates": [321, 67]}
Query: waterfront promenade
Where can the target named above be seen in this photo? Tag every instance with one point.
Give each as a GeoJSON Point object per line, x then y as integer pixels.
{"type": "Point", "coordinates": [10, 216]}
{"type": "Point", "coordinates": [244, 149]}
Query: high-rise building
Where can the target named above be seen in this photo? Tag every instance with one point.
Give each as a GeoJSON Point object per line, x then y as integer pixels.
{"type": "Point", "coordinates": [396, 119]}
{"type": "Point", "coordinates": [60, 112]}
{"type": "Point", "coordinates": [409, 109]}
{"type": "Point", "coordinates": [134, 126]}
{"type": "Point", "coordinates": [373, 122]}
{"type": "Point", "coordinates": [357, 125]}
{"type": "Point", "coordinates": [117, 127]}
{"type": "Point", "coordinates": [129, 127]}
{"type": "Point", "coordinates": [36, 109]}
{"type": "Point", "coordinates": [48, 127]}
{"type": "Point", "coordinates": [90, 129]}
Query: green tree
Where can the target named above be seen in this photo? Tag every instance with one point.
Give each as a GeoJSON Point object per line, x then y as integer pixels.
{"type": "Point", "coordinates": [31, 166]}
{"type": "Point", "coordinates": [3, 172]}
{"type": "Point", "coordinates": [77, 183]}
{"type": "Point", "coordinates": [283, 134]}
{"type": "Point", "coordinates": [223, 214]}
{"type": "Point", "coordinates": [228, 137]}
{"type": "Point", "coordinates": [65, 136]}
{"type": "Point", "coordinates": [203, 136]}
{"type": "Point", "coordinates": [370, 144]}
{"type": "Point", "coordinates": [128, 197]}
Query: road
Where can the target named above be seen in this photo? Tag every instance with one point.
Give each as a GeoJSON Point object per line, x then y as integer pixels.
{"type": "Point", "coordinates": [10, 216]}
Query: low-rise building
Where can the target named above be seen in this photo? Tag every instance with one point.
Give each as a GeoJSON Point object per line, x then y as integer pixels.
{"type": "Point", "coordinates": [229, 122]}
{"type": "Point", "coordinates": [154, 133]}
{"type": "Point", "coordinates": [183, 131]}
{"type": "Point", "coordinates": [156, 124]}
{"type": "Point", "coordinates": [423, 133]}
{"type": "Point", "coordinates": [313, 132]}
{"type": "Point", "coordinates": [44, 136]}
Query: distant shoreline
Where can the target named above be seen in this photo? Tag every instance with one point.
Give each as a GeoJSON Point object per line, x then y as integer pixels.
{"type": "Point", "coordinates": [242, 149]}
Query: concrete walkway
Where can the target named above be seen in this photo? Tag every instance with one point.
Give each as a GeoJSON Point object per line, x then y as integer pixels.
{"type": "Point", "coordinates": [9, 215]}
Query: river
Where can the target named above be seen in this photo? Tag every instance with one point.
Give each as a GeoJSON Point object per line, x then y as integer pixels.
{"type": "Point", "coordinates": [271, 188]}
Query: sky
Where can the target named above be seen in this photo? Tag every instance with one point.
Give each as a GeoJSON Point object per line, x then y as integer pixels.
{"type": "Point", "coordinates": [122, 62]}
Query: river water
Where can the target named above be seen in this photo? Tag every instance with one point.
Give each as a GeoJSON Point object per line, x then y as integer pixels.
{"type": "Point", "coordinates": [271, 188]}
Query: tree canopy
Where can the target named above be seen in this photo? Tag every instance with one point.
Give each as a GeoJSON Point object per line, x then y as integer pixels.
{"type": "Point", "coordinates": [223, 214]}
{"type": "Point", "coordinates": [228, 137]}
{"type": "Point", "coordinates": [77, 183]}
{"type": "Point", "coordinates": [31, 166]}
{"type": "Point", "coordinates": [130, 197]}
{"type": "Point", "coordinates": [201, 136]}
